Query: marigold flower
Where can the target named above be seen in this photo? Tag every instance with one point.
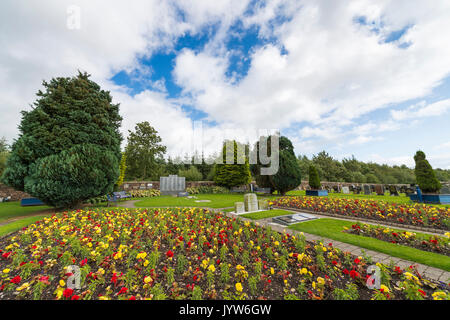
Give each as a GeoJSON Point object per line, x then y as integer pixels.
{"type": "Point", "coordinates": [239, 287]}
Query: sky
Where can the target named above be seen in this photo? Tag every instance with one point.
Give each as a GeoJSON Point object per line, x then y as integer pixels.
{"type": "Point", "coordinates": [369, 78]}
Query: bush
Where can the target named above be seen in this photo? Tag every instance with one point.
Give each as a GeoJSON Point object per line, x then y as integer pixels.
{"type": "Point", "coordinates": [425, 176]}
{"type": "Point", "coordinates": [68, 149]}
{"type": "Point", "coordinates": [288, 176]}
{"type": "Point", "coordinates": [207, 190]}
{"type": "Point", "coordinates": [145, 193]}
{"type": "Point", "coordinates": [232, 175]}
{"type": "Point", "coordinates": [191, 174]}
{"type": "Point", "coordinates": [314, 180]}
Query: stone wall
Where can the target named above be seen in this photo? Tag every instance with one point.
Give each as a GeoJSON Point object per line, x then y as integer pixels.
{"type": "Point", "coordinates": [15, 195]}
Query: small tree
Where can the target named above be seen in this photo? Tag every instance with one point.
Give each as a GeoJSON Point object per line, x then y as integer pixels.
{"type": "Point", "coordinates": [122, 169]}
{"type": "Point", "coordinates": [425, 176]}
{"type": "Point", "coordinates": [144, 151]}
{"type": "Point", "coordinates": [68, 149]}
{"type": "Point", "coordinates": [314, 180]}
{"type": "Point", "coordinates": [232, 174]}
{"type": "Point", "coordinates": [191, 174]}
{"type": "Point", "coordinates": [288, 176]}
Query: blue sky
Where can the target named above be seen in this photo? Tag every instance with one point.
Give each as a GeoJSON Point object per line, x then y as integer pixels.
{"type": "Point", "coordinates": [365, 78]}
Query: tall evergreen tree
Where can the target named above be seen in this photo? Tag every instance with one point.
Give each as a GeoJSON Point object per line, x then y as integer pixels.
{"type": "Point", "coordinates": [425, 176]}
{"type": "Point", "coordinates": [288, 176]}
{"type": "Point", "coordinates": [232, 174]}
{"type": "Point", "coordinates": [314, 180]}
{"type": "Point", "coordinates": [68, 148]}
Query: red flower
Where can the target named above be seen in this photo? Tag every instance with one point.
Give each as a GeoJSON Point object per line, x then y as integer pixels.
{"type": "Point", "coordinates": [16, 279]}
{"type": "Point", "coordinates": [169, 254]}
{"type": "Point", "coordinates": [83, 262]}
{"type": "Point", "coordinates": [67, 293]}
{"type": "Point", "coordinates": [123, 290]}
{"type": "Point", "coordinates": [354, 274]}
{"type": "Point", "coordinates": [6, 255]}
{"type": "Point", "coordinates": [357, 261]}
{"type": "Point", "coordinates": [132, 298]}
{"type": "Point", "coordinates": [334, 262]}
{"type": "Point", "coordinates": [422, 293]}
{"type": "Point", "coordinates": [75, 297]}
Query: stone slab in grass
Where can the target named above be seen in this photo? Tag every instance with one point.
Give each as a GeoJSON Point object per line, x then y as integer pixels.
{"type": "Point", "coordinates": [295, 218]}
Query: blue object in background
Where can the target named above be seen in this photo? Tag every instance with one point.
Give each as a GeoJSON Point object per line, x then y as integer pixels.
{"type": "Point", "coordinates": [26, 202]}
{"type": "Point", "coordinates": [419, 194]}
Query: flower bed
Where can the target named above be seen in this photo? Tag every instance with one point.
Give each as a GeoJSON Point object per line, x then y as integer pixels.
{"type": "Point", "coordinates": [144, 193]}
{"type": "Point", "coordinates": [417, 214]}
{"type": "Point", "coordinates": [435, 244]}
{"type": "Point", "coordinates": [186, 254]}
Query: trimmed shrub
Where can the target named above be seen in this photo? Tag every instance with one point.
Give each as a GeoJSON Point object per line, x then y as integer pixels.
{"type": "Point", "coordinates": [314, 180]}
{"type": "Point", "coordinates": [425, 176]}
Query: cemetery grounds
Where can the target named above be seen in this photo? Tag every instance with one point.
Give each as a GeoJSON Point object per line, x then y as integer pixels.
{"type": "Point", "coordinates": [164, 247]}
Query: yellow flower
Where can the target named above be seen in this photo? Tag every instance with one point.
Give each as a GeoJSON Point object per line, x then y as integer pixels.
{"type": "Point", "coordinates": [384, 288]}
{"type": "Point", "coordinates": [239, 287]}
{"type": "Point", "coordinates": [6, 270]}
{"type": "Point", "coordinates": [141, 255]}
{"type": "Point", "coordinates": [211, 268]}
{"type": "Point", "coordinates": [148, 279]}
{"type": "Point", "coordinates": [276, 243]}
{"type": "Point", "coordinates": [62, 283]}
{"type": "Point", "coordinates": [439, 295]}
{"type": "Point", "coordinates": [304, 271]}
{"type": "Point", "coordinates": [320, 280]}
{"type": "Point", "coordinates": [272, 271]}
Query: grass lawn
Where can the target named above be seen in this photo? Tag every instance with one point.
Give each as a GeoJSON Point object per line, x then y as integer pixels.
{"type": "Point", "coordinates": [266, 214]}
{"type": "Point", "coordinates": [19, 224]}
{"type": "Point", "coordinates": [217, 201]}
{"type": "Point", "coordinates": [13, 209]}
{"type": "Point", "coordinates": [332, 228]}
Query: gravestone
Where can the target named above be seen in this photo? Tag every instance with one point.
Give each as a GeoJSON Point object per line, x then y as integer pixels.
{"type": "Point", "coordinates": [367, 190]}
{"type": "Point", "coordinates": [379, 189]}
{"type": "Point", "coordinates": [345, 190]}
{"type": "Point", "coordinates": [239, 207]}
{"type": "Point", "coordinates": [250, 202]}
{"type": "Point", "coordinates": [172, 185]}
{"type": "Point", "coordinates": [263, 204]}
{"type": "Point", "coordinates": [393, 190]}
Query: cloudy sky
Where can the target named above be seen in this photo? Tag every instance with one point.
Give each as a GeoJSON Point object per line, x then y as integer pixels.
{"type": "Point", "coordinates": [368, 78]}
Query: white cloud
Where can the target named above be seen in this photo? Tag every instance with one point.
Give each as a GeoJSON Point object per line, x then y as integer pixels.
{"type": "Point", "coordinates": [422, 110]}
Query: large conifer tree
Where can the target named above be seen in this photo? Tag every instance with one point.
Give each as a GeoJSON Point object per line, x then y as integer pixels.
{"type": "Point", "coordinates": [68, 149]}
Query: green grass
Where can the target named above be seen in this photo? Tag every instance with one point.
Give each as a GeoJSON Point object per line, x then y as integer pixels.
{"type": "Point", "coordinates": [217, 201]}
{"type": "Point", "coordinates": [19, 224]}
{"type": "Point", "coordinates": [332, 228]}
{"type": "Point", "coordinates": [266, 214]}
{"type": "Point", "coordinates": [13, 209]}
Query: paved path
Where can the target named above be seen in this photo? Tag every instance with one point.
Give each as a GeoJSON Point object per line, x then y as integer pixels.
{"type": "Point", "coordinates": [424, 270]}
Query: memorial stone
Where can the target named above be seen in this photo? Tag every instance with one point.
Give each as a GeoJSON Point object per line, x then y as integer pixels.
{"type": "Point", "coordinates": [172, 185]}
{"type": "Point", "coordinates": [263, 205]}
{"type": "Point", "coordinates": [367, 190]}
{"type": "Point", "coordinates": [250, 202]}
{"type": "Point", "coordinates": [345, 190]}
{"type": "Point", "coordinates": [239, 207]}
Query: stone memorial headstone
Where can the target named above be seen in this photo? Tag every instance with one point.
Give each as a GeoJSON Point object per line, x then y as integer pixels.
{"type": "Point", "coordinates": [367, 190]}
{"type": "Point", "coordinates": [263, 204]}
{"type": "Point", "coordinates": [345, 190]}
{"type": "Point", "coordinates": [379, 189]}
{"type": "Point", "coordinates": [250, 202]}
{"type": "Point", "coordinates": [172, 185]}
{"type": "Point", "coordinates": [393, 190]}
{"type": "Point", "coordinates": [239, 207]}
